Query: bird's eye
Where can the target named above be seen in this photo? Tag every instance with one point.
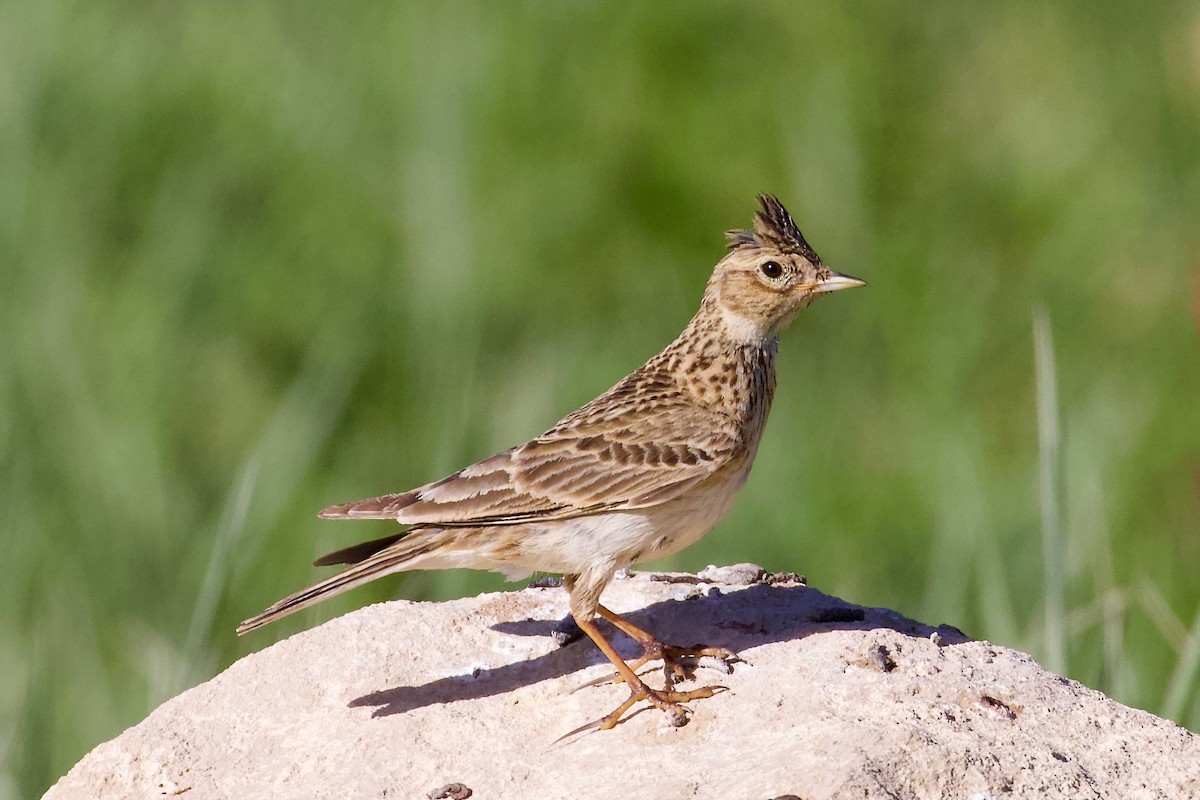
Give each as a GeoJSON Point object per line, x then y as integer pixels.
{"type": "Point", "coordinates": [771, 269]}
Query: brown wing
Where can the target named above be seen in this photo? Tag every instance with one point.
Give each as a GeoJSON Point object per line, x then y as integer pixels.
{"type": "Point", "coordinates": [641, 443]}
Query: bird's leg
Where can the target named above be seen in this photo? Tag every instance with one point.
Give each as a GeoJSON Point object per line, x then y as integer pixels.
{"type": "Point", "coordinates": [679, 663]}
{"type": "Point", "coordinates": [667, 700]}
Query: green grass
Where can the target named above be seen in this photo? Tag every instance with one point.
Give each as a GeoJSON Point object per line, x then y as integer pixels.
{"type": "Point", "coordinates": [257, 258]}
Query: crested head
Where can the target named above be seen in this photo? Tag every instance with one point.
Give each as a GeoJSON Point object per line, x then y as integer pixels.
{"type": "Point", "coordinates": [774, 229]}
{"type": "Point", "coordinates": [769, 274]}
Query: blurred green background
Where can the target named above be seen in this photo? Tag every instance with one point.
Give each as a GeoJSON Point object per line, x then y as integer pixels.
{"type": "Point", "coordinates": [258, 258]}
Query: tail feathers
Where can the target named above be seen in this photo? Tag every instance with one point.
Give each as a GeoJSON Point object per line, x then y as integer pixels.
{"type": "Point", "coordinates": [358, 552]}
{"type": "Point", "coordinates": [389, 559]}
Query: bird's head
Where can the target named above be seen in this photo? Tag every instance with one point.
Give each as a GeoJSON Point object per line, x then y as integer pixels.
{"type": "Point", "coordinates": [769, 275]}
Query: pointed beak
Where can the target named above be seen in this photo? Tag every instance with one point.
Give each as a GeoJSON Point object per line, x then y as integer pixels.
{"type": "Point", "coordinates": [837, 281]}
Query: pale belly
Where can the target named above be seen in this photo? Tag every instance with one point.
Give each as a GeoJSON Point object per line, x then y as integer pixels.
{"type": "Point", "coordinates": [604, 542]}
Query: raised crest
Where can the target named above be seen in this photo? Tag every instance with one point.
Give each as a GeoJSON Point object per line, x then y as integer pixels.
{"type": "Point", "coordinates": [774, 228]}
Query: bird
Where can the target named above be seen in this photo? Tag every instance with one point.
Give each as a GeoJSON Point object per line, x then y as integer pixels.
{"type": "Point", "coordinates": [643, 471]}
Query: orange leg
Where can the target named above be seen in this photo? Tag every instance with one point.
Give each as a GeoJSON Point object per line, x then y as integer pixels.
{"type": "Point", "coordinates": [679, 663]}
{"type": "Point", "coordinates": [667, 700]}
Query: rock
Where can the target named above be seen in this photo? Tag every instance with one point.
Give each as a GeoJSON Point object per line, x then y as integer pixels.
{"type": "Point", "coordinates": [733, 574]}
{"type": "Point", "coordinates": [466, 698]}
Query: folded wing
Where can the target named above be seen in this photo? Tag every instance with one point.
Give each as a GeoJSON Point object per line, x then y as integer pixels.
{"type": "Point", "coordinates": [603, 457]}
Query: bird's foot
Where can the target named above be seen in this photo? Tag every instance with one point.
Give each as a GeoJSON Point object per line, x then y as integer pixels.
{"type": "Point", "coordinates": [668, 701]}
{"type": "Point", "coordinates": [678, 663]}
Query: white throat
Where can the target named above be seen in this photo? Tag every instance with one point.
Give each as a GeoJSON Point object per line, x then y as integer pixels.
{"type": "Point", "coordinates": [742, 330]}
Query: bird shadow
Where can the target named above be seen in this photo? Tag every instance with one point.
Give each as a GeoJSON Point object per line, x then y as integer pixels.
{"type": "Point", "coordinates": [739, 620]}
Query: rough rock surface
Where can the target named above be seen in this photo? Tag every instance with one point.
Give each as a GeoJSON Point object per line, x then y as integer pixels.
{"type": "Point", "coordinates": [402, 699]}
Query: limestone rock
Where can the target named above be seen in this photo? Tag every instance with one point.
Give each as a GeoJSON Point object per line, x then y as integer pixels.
{"type": "Point", "coordinates": [407, 699]}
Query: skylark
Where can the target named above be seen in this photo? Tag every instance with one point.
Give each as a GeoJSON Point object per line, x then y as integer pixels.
{"type": "Point", "coordinates": [642, 471]}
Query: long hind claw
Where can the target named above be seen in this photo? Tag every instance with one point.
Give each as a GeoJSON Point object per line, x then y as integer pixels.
{"type": "Point", "coordinates": [612, 677]}
{"type": "Point", "coordinates": [679, 663]}
{"type": "Point", "coordinates": [669, 701]}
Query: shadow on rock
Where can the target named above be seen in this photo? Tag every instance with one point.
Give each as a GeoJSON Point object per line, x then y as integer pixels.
{"type": "Point", "coordinates": [738, 620]}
